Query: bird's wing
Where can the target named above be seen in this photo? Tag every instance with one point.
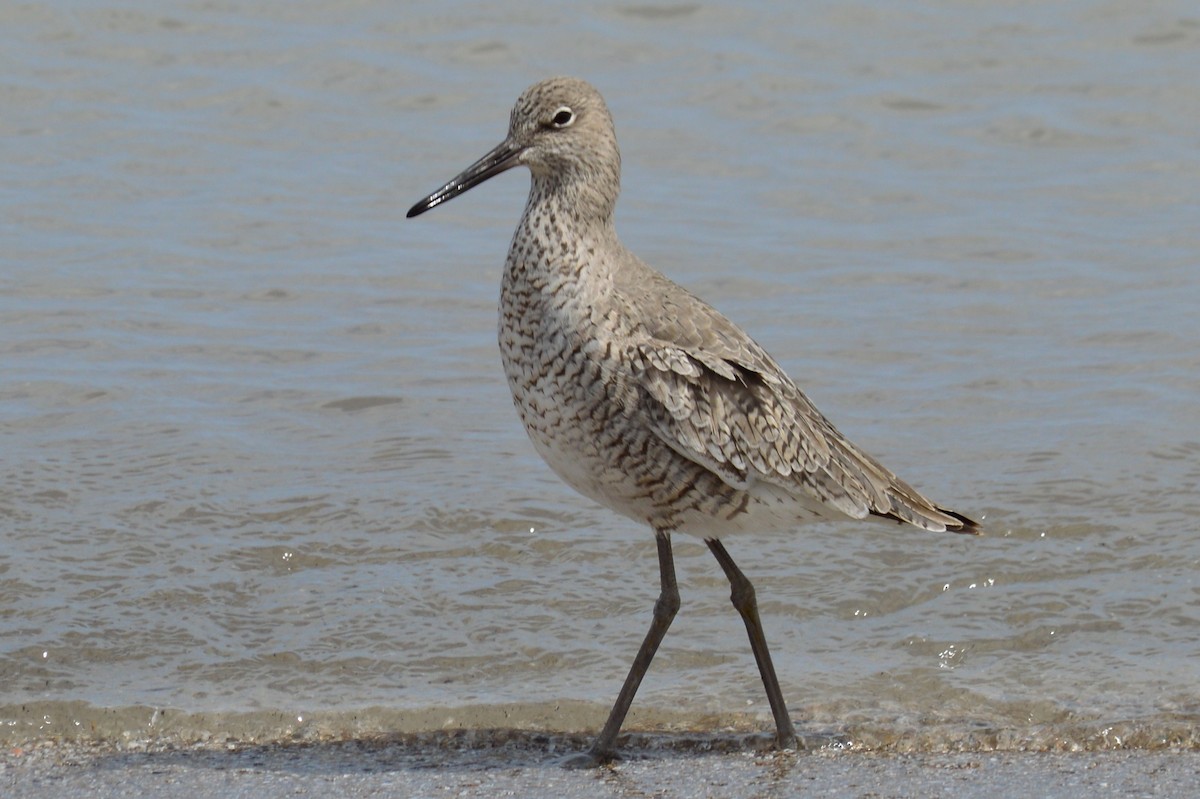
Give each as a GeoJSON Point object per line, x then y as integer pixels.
{"type": "Point", "coordinates": [717, 398]}
{"type": "Point", "coordinates": [736, 422]}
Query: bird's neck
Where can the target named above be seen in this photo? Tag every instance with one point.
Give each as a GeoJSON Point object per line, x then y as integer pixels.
{"type": "Point", "coordinates": [566, 216]}
{"type": "Point", "coordinates": [563, 247]}
{"type": "Point", "coordinates": [587, 199]}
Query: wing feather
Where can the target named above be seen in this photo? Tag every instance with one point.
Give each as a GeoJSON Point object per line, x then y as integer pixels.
{"type": "Point", "coordinates": [716, 397]}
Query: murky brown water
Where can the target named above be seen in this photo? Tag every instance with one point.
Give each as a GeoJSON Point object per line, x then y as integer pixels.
{"type": "Point", "coordinates": [261, 473]}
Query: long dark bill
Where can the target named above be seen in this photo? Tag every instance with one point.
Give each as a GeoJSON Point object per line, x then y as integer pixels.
{"type": "Point", "coordinates": [503, 156]}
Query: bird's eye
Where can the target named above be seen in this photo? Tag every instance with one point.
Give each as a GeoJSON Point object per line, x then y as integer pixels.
{"type": "Point", "coordinates": [562, 117]}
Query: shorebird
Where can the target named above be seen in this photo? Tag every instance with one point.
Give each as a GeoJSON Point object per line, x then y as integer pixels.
{"type": "Point", "coordinates": [646, 399]}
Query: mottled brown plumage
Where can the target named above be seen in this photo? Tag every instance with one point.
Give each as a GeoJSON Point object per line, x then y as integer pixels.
{"type": "Point", "coordinates": [642, 396]}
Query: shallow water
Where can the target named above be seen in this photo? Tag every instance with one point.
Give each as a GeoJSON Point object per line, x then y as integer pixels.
{"type": "Point", "coordinates": [261, 473]}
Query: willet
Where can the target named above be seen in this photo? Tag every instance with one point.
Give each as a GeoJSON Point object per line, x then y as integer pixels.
{"type": "Point", "coordinates": [646, 399]}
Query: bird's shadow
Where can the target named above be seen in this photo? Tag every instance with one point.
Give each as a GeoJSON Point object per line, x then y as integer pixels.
{"type": "Point", "coordinates": [457, 750]}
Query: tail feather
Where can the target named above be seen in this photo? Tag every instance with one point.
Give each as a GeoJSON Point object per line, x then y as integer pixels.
{"type": "Point", "coordinates": [966, 524]}
{"type": "Point", "coordinates": [912, 508]}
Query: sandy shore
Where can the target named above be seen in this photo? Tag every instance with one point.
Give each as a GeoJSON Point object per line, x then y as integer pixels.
{"type": "Point", "coordinates": [365, 768]}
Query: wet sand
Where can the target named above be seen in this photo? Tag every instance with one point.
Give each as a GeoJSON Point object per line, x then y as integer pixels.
{"type": "Point", "coordinates": [532, 768]}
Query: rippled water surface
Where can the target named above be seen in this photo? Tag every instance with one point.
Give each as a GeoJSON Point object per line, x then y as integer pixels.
{"type": "Point", "coordinates": [260, 469]}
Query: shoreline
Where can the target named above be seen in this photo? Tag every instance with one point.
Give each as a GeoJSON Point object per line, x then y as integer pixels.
{"type": "Point", "coordinates": [573, 723]}
{"type": "Point", "coordinates": [532, 767]}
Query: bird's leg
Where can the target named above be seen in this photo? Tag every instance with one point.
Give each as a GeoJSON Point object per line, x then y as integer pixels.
{"type": "Point", "coordinates": [743, 598]}
{"type": "Point", "coordinates": [664, 611]}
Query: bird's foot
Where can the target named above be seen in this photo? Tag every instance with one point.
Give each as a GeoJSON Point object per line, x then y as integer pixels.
{"type": "Point", "coordinates": [786, 737]}
{"type": "Point", "coordinates": [588, 759]}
